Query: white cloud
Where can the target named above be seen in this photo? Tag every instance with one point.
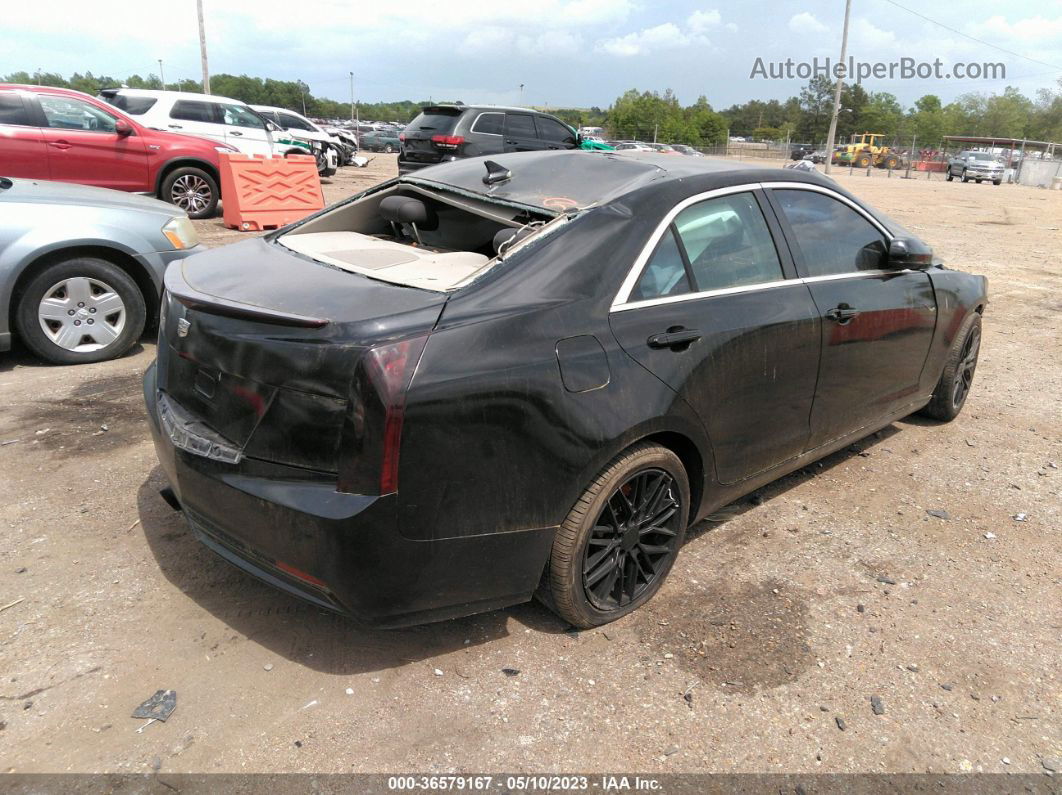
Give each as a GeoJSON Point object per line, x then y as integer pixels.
{"type": "Point", "coordinates": [487, 41]}
{"type": "Point", "coordinates": [551, 43]}
{"type": "Point", "coordinates": [666, 36]}
{"type": "Point", "coordinates": [805, 22]}
{"type": "Point", "coordinates": [1032, 30]}
{"type": "Point", "coordinates": [702, 21]}
{"type": "Point", "coordinates": [661, 37]}
{"type": "Point", "coordinates": [867, 35]}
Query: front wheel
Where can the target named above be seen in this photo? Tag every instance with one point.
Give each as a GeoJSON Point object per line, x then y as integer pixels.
{"type": "Point", "coordinates": [193, 190]}
{"type": "Point", "coordinates": [964, 177]}
{"type": "Point", "coordinates": [81, 310]}
{"type": "Point", "coordinates": [957, 378]}
{"type": "Point", "coordinates": [620, 540]}
{"type": "Point", "coordinates": [997, 182]}
{"type": "Point", "coordinates": [389, 149]}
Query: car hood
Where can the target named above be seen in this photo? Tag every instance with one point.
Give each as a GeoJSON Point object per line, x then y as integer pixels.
{"type": "Point", "coordinates": [34, 191]}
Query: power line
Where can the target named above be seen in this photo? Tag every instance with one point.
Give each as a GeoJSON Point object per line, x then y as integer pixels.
{"type": "Point", "coordinates": [973, 38]}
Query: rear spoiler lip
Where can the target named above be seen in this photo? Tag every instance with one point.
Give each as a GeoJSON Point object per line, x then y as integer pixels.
{"type": "Point", "coordinates": [193, 299]}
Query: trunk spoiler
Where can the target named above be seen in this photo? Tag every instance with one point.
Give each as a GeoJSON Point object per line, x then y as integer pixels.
{"type": "Point", "coordinates": [212, 304]}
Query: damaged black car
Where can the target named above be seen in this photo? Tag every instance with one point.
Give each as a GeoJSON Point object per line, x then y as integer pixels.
{"type": "Point", "coordinates": [489, 381]}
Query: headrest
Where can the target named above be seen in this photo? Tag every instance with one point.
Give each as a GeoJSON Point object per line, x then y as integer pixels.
{"type": "Point", "coordinates": [508, 237]}
{"type": "Point", "coordinates": [407, 210]}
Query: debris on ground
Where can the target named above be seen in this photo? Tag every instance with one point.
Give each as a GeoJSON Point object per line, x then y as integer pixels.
{"type": "Point", "coordinates": [268, 667]}
{"type": "Point", "coordinates": [510, 671]}
{"type": "Point", "coordinates": [886, 580]}
{"type": "Point", "coordinates": [159, 707]}
{"type": "Point", "coordinates": [438, 672]}
{"type": "Point", "coordinates": [1021, 517]}
{"type": "Point", "coordinates": [1052, 763]}
{"type": "Point", "coordinates": [840, 723]}
{"type": "Point", "coordinates": [877, 705]}
{"type": "Point", "coordinates": [12, 604]}
{"type": "Point", "coordinates": [939, 514]}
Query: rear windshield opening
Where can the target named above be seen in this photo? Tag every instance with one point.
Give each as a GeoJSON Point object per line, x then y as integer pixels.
{"type": "Point", "coordinates": [415, 236]}
{"type": "Point", "coordinates": [134, 106]}
{"type": "Point", "coordinates": [438, 121]}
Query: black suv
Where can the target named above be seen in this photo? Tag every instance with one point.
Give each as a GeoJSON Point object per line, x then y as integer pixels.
{"type": "Point", "coordinates": [449, 132]}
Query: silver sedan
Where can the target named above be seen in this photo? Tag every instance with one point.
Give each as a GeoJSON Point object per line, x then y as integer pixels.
{"type": "Point", "coordinates": [81, 268]}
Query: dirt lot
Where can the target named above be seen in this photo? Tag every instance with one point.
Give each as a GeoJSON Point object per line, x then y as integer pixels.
{"type": "Point", "coordinates": [786, 613]}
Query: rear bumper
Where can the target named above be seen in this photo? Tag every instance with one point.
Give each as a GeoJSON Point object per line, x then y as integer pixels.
{"type": "Point", "coordinates": [341, 551]}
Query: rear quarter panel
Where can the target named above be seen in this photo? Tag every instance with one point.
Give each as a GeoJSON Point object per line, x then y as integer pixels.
{"type": "Point", "coordinates": [957, 294]}
{"type": "Point", "coordinates": [493, 440]}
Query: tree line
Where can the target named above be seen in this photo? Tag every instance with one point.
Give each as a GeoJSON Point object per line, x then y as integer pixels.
{"type": "Point", "coordinates": [652, 115]}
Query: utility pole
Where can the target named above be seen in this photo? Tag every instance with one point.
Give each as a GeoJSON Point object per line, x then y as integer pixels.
{"type": "Point", "coordinates": [521, 102]}
{"type": "Point", "coordinates": [202, 47]}
{"type": "Point", "coordinates": [830, 139]}
{"type": "Point", "coordinates": [352, 96]}
{"type": "Point", "coordinates": [162, 77]}
{"type": "Point", "coordinates": [302, 90]}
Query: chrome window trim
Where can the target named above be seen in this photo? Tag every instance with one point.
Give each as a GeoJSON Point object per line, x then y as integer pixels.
{"type": "Point", "coordinates": [650, 246]}
{"type": "Point", "coordinates": [621, 303]}
{"type": "Point", "coordinates": [833, 195]}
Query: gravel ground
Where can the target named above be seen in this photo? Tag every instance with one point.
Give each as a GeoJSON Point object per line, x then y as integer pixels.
{"type": "Point", "coordinates": [789, 622]}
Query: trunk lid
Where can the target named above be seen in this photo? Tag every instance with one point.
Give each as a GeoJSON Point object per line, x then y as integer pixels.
{"type": "Point", "coordinates": [261, 347]}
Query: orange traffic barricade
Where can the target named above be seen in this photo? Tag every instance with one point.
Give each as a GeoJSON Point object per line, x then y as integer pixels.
{"type": "Point", "coordinates": [259, 192]}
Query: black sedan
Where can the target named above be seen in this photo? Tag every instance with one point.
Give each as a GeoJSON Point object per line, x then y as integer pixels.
{"type": "Point", "coordinates": [487, 381]}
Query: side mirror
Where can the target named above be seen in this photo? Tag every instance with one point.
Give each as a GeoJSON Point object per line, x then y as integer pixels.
{"type": "Point", "coordinates": [123, 128]}
{"type": "Point", "coordinates": [909, 252]}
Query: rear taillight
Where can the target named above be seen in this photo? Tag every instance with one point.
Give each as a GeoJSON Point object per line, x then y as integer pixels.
{"type": "Point", "coordinates": [371, 456]}
{"type": "Point", "coordinates": [402, 137]}
{"type": "Point", "coordinates": [447, 141]}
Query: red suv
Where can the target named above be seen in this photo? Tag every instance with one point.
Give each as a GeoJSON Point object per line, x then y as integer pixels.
{"type": "Point", "coordinates": [67, 136]}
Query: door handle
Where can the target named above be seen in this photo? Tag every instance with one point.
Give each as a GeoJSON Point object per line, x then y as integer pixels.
{"type": "Point", "coordinates": [675, 338]}
{"type": "Point", "coordinates": [175, 127]}
{"type": "Point", "coordinates": [61, 144]}
{"type": "Point", "coordinates": [842, 314]}
{"type": "Point", "coordinates": [235, 132]}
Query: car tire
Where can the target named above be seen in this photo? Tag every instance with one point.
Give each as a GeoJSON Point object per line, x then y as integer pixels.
{"type": "Point", "coordinates": [997, 182]}
{"type": "Point", "coordinates": [45, 324]}
{"type": "Point", "coordinates": [978, 182]}
{"type": "Point", "coordinates": [579, 584]}
{"type": "Point", "coordinates": [193, 190]}
{"type": "Point", "coordinates": [956, 380]}
{"type": "Point", "coordinates": [963, 176]}
{"type": "Point", "coordinates": [389, 149]}
{"type": "Point", "coordinates": [949, 176]}
{"type": "Point", "coordinates": [863, 161]}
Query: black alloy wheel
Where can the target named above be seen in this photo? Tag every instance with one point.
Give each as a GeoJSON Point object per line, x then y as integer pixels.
{"type": "Point", "coordinates": [620, 539]}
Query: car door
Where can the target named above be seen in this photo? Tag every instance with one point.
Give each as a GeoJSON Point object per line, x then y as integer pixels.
{"type": "Point", "coordinates": [22, 149]}
{"type": "Point", "coordinates": [555, 135]}
{"type": "Point", "coordinates": [877, 323]}
{"type": "Point", "coordinates": [520, 133]}
{"type": "Point", "coordinates": [246, 130]}
{"type": "Point", "coordinates": [84, 146]}
{"type": "Point", "coordinates": [713, 308]}
{"type": "Point", "coordinates": [196, 117]}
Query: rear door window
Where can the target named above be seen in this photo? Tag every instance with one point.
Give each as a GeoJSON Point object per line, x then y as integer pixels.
{"type": "Point", "coordinates": [665, 274]}
{"type": "Point", "coordinates": [728, 243]}
{"type": "Point", "coordinates": [289, 122]}
{"type": "Point", "coordinates": [193, 110]}
{"type": "Point", "coordinates": [13, 111]}
{"type": "Point", "coordinates": [489, 123]}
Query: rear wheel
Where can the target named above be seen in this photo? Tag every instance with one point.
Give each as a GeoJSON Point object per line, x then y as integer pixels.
{"type": "Point", "coordinates": [997, 182]}
{"type": "Point", "coordinates": [81, 310]}
{"type": "Point", "coordinates": [957, 378]}
{"type": "Point", "coordinates": [964, 177]}
{"type": "Point", "coordinates": [949, 176]}
{"type": "Point", "coordinates": [618, 543]}
{"type": "Point", "coordinates": [862, 161]}
{"type": "Point", "coordinates": [193, 190]}
{"type": "Point", "coordinates": [388, 148]}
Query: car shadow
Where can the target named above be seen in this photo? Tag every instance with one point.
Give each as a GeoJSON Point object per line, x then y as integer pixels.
{"type": "Point", "coordinates": [21, 357]}
{"type": "Point", "coordinates": [299, 631]}
{"type": "Point", "coordinates": [775, 488]}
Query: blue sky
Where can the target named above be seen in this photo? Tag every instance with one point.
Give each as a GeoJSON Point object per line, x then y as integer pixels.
{"type": "Point", "coordinates": [566, 52]}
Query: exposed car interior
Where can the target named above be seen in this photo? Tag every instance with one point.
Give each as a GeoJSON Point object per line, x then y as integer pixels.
{"type": "Point", "coordinates": [415, 236]}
